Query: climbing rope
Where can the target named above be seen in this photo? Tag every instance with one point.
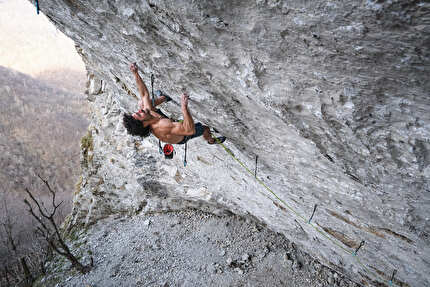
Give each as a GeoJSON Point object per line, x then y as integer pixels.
{"type": "Point", "coordinates": [317, 228]}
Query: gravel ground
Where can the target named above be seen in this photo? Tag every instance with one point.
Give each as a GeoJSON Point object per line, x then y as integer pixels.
{"type": "Point", "coordinates": [189, 248]}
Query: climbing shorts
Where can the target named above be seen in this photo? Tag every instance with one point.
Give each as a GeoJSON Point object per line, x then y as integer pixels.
{"type": "Point", "coordinates": [199, 132]}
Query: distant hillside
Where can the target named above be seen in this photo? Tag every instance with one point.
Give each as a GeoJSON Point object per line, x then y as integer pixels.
{"type": "Point", "coordinates": [40, 128]}
{"type": "Point", "coordinates": [68, 80]}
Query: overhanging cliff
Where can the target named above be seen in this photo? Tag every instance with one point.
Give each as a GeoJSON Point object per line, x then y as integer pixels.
{"type": "Point", "coordinates": [332, 96]}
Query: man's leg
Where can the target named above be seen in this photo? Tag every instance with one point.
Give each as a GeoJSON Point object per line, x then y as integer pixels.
{"type": "Point", "coordinates": [202, 130]}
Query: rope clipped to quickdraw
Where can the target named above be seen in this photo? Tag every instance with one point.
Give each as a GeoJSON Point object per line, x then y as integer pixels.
{"type": "Point", "coordinates": [185, 156]}
{"type": "Point", "coordinates": [152, 90]}
{"type": "Point", "coordinates": [392, 278]}
{"type": "Point", "coordinates": [37, 7]}
{"type": "Point", "coordinates": [160, 149]}
{"type": "Point", "coordinates": [315, 208]}
{"type": "Point", "coordinates": [358, 248]}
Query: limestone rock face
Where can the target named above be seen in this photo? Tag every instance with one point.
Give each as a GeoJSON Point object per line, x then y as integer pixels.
{"type": "Point", "coordinates": [332, 96]}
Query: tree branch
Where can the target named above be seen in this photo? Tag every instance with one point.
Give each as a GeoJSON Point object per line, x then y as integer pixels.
{"type": "Point", "coordinates": [49, 230]}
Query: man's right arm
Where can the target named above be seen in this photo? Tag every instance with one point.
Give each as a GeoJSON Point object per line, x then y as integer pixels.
{"type": "Point", "coordinates": [141, 87]}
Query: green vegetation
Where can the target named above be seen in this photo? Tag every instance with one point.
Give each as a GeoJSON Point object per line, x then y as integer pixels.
{"type": "Point", "coordinates": [78, 185]}
{"type": "Point", "coordinates": [87, 146]}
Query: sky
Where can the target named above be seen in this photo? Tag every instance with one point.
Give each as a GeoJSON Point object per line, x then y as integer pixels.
{"type": "Point", "coordinates": [30, 44]}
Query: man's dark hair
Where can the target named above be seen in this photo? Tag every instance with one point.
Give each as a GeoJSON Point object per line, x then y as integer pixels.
{"type": "Point", "coordinates": [135, 127]}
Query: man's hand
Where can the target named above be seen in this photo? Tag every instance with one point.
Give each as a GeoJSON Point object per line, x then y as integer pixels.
{"type": "Point", "coordinates": [184, 101]}
{"type": "Point", "coordinates": [133, 68]}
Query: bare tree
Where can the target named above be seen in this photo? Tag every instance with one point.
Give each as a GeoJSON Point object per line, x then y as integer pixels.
{"type": "Point", "coordinates": [22, 253]}
{"type": "Point", "coordinates": [49, 230]}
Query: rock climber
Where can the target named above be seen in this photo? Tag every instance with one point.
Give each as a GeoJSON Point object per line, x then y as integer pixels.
{"type": "Point", "coordinates": [148, 120]}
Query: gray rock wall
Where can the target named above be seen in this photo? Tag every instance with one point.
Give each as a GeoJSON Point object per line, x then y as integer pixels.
{"type": "Point", "coordinates": [333, 97]}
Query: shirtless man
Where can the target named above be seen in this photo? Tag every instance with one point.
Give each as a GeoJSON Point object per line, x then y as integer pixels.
{"type": "Point", "coordinates": [147, 119]}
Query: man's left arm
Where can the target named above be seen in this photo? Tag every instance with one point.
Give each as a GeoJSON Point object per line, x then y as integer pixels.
{"type": "Point", "coordinates": [187, 127]}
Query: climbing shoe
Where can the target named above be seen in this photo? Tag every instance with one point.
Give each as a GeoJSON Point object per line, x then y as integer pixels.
{"type": "Point", "coordinates": [159, 93]}
{"type": "Point", "coordinates": [219, 140]}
